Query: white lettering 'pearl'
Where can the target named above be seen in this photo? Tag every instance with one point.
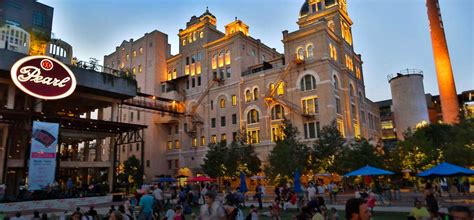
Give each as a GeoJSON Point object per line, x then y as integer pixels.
{"type": "Point", "coordinates": [33, 74]}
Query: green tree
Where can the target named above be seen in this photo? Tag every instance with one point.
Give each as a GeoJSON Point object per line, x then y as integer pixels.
{"type": "Point", "coordinates": [360, 153]}
{"type": "Point", "coordinates": [215, 158]}
{"type": "Point", "coordinates": [328, 149]}
{"type": "Point", "coordinates": [133, 172]}
{"type": "Point", "coordinates": [288, 155]}
{"type": "Point", "coordinates": [241, 157]}
{"type": "Point", "coordinates": [435, 143]}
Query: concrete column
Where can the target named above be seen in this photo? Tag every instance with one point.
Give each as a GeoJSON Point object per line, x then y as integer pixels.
{"type": "Point", "coordinates": [98, 150]}
{"type": "Point", "coordinates": [11, 97]}
{"type": "Point", "coordinates": [100, 114]}
{"type": "Point", "coordinates": [114, 112]}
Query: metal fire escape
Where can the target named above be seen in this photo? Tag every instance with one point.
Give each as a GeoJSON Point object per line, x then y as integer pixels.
{"type": "Point", "coordinates": [271, 97]}
{"type": "Point", "coordinates": [194, 118]}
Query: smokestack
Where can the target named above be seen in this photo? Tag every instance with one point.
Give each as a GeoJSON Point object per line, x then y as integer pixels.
{"type": "Point", "coordinates": [444, 71]}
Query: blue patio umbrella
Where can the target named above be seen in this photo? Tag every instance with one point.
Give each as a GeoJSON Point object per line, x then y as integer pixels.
{"type": "Point", "coordinates": [369, 171]}
{"type": "Point", "coordinates": [297, 181]}
{"type": "Point", "coordinates": [445, 170]}
{"type": "Point", "coordinates": [243, 183]}
{"type": "Point", "coordinates": [166, 180]}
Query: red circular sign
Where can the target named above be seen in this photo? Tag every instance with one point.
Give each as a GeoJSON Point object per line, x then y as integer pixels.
{"type": "Point", "coordinates": [43, 77]}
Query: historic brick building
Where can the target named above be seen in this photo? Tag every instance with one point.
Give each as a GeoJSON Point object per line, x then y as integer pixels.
{"type": "Point", "coordinates": [229, 81]}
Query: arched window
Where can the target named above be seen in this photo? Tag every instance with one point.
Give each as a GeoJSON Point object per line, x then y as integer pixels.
{"type": "Point", "coordinates": [221, 59]}
{"type": "Point", "coordinates": [351, 90]}
{"type": "Point", "coordinates": [309, 51]}
{"type": "Point", "coordinates": [252, 117]}
{"type": "Point", "coordinates": [271, 86]}
{"type": "Point", "coordinates": [227, 57]}
{"type": "Point", "coordinates": [280, 89]}
{"type": "Point", "coordinates": [336, 82]}
{"type": "Point", "coordinates": [214, 61]}
{"type": "Point", "coordinates": [222, 103]}
{"type": "Point", "coordinates": [300, 53]}
{"type": "Point", "coordinates": [255, 94]}
{"type": "Point", "coordinates": [175, 73]}
{"type": "Point", "coordinates": [278, 112]}
{"type": "Point", "coordinates": [308, 82]}
{"type": "Point", "coordinates": [361, 99]}
{"type": "Point", "coordinates": [248, 95]}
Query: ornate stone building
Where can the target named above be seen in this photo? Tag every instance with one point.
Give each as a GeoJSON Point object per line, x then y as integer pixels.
{"type": "Point", "coordinates": [230, 81]}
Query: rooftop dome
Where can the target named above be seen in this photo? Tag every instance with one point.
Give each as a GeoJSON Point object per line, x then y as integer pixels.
{"type": "Point", "coordinates": [304, 9]}
{"type": "Point", "coordinates": [207, 13]}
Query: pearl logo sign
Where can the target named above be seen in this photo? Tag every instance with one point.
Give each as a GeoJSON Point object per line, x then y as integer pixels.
{"type": "Point", "coordinates": [43, 77]}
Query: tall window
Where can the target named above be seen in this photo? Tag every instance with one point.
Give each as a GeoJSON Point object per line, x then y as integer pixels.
{"type": "Point", "coordinates": [278, 112]}
{"type": "Point", "coordinates": [203, 140]}
{"type": "Point", "coordinates": [213, 122]}
{"type": "Point", "coordinates": [309, 51]}
{"type": "Point", "coordinates": [338, 106]}
{"type": "Point", "coordinates": [277, 133]}
{"type": "Point", "coordinates": [214, 61]}
{"type": "Point", "coordinates": [222, 121]}
{"type": "Point", "coordinates": [221, 59]}
{"type": "Point", "coordinates": [252, 117]}
{"type": "Point", "coordinates": [310, 105]}
{"type": "Point", "coordinates": [253, 136]}
{"type": "Point", "coordinates": [223, 138]}
{"type": "Point", "coordinates": [195, 142]}
{"type": "Point", "coordinates": [255, 94]}
{"type": "Point", "coordinates": [227, 57]}
{"type": "Point", "coordinates": [222, 103]}
{"type": "Point", "coordinates": [248, 95]}
{"type": "Point", "coordinates": [176, 144]}
{"type": "Point", "coordinates": [280, 90]}
{"type": "Point", "coordinates": [351, 91]}
{"type": "Point", "coordinates": [214, 139]}
{"type": "Point", "coordinates": [340, 127]}
{"type": "Point", "coordinates": [336, 82]}
{"type": "Point", "coordinates": [234, 100]}
{"type": "Point", "coordinates": [175, 74]}
{"type": "Point", "coordinates": [169, 145]}
{"type": "Point", "coordinates": [358, 73]}
{"type": "Point", "coordinates": [333, 51]}
{"type": "Point", "coordinates": [308, 83]}
{"type": "Point", "coordinates": [300, 53]}
{"type": "Point", "coordinates": [311, 130]}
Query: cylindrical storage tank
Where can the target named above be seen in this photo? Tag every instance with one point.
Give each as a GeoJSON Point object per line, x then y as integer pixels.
{"type": "Point", "coordinates": [408, 101]}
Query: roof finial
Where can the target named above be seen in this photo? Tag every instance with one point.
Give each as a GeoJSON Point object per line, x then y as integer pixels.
{"type": "Point", "coordinates": [207, 9]}
{"type": "Point", "coordinates": [236, 18]}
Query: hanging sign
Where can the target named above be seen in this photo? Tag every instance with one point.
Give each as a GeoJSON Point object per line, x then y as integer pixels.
{"type": "Point", "coordinates": [43, 77]}
{"type": "Point", "coordinates": [42, 165]}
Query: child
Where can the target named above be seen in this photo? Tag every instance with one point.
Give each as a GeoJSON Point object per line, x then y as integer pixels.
{"type": "Point", "coordinates": [253, 214]}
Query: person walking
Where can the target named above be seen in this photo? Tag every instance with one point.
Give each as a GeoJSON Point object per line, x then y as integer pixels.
{"type": "Point", "coordinates": [212, 209]}
{"type": "Point", "coordinates": [146, 206]}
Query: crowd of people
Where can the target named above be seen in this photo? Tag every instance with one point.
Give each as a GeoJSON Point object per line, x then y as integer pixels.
{"type": "Point", "coordinates": [203, 202]}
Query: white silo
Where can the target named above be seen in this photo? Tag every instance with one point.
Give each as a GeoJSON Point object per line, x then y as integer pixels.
{"type": "Point", "coordinates": [409, 103]}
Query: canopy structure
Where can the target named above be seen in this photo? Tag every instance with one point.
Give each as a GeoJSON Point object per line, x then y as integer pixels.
{"type": "Point", "coordinates": [445, 170]}
{"type": "Point", "coordinates": [369, 171]}
{"type": "Point", "coordinates": [201, 179]}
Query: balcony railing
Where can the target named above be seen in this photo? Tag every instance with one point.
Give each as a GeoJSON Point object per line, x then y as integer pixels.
{"type": "Point", "coordinates": [92, 65]}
